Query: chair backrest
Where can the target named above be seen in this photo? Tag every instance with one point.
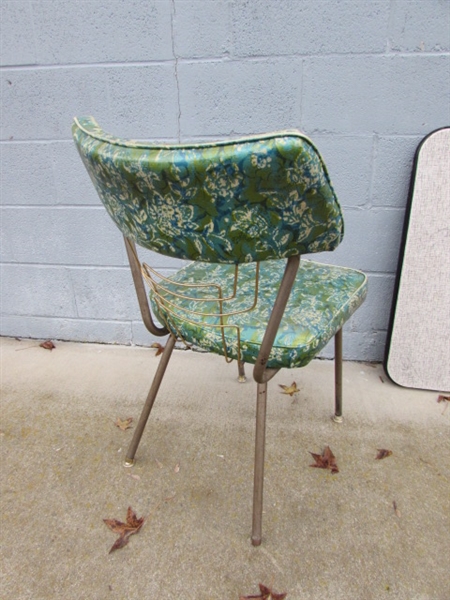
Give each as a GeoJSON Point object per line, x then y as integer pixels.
{"type": "Point", "coordinates": [235, 201]}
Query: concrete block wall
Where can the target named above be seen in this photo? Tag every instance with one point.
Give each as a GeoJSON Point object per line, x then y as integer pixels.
{"type": "Point", "coordinates": [366, 80]}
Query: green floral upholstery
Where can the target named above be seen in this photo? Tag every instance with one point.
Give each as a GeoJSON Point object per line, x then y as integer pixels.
{"type": "Point", "coordinates": [322, 299]}
{"type": "Point", "coordinates": [254, 199]}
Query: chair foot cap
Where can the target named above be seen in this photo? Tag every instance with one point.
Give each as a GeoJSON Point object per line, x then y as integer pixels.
{"type": "Point", "coordinates": [129, 462]}
{"type": "Point", "coordinates": [242, 378]}
{"type": "Point", "coordinates": [256, 541]}
{"type": "Point", "coordinates": [338, 419]}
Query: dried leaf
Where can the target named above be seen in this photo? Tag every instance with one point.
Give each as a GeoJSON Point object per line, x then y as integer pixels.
{"type": "Point", "coordinates": [134, 476]}
{"type": "Point", "coordinates": [266, 594]}
{"type": "Point", "coordinates": [326, 460]}
{"type": "Point", "coordinates": [125, 530]}
{"type": "Point", "coordinates": [442, 398]}
{"type": "Point", "coordinates": [48, 345]}
{"type": "Point", "coordinates": [123, 425]}
{"type": "Point", "coordinates": [382, 453]}
{"type": "Point", "coordinates": [397, 512]}
{"type": "Point", "coordinates": [177, 468]}
{"type": "Point", "coordinates": [289, 389]}
{"type": "Point", "coordinates": [381, 379]}
{"type": "Point", "coordinates": [160, 465]}
{"type": "Point", "coordinates": [160, 348]}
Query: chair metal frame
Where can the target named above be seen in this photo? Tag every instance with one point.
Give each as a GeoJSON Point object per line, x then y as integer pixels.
{"type": "Point", "coordinates": [261, 374]}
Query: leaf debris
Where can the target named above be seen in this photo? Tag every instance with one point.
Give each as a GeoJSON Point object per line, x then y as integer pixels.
{"type": "Point", "coordinates": [125, 530]}
{"type": "Point", "coordinates": [47, 345]}
{"type": "Point", "coordinates": [267, 593]}
{"type": "Point", "coordinates": [290, 390]}
{"type": "Point", "coordinates": [445, 399]}
{"type": "Point", "coordinates": [125, 424]}
{"type": "Point", "coordinates": [159, 348]}
{"type": "Point", "coordinates": [382, 453]}
{"type": "Point", "coordinates": [326, 460]}
{"type": "Point", "coordinates": [397, 512]}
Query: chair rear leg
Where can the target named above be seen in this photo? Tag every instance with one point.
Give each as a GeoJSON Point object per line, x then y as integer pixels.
{"type": "Point", "coordinates": [129, 459]}
{"type": "Point", "coordinates": [241, 372]}
{"type": "Point", "coordinates": [261, 403]}
{"type": "Point", "coordinates": [338, 377]}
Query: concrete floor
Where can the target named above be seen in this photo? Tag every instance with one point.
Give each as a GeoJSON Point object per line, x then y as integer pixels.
{"type": "Point", "coordinates": [325, 536]}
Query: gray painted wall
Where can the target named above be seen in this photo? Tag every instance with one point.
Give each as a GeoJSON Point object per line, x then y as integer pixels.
{"type": "Point", "coordinates": [365, 79]}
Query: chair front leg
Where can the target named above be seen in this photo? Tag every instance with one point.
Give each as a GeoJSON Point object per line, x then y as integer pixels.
{"type": "Point", "coordinates": [338, 377]}
{"type": "Point", "coordinates": [261, 403]}
{"type": "Point", "coordinates": [129, 460]}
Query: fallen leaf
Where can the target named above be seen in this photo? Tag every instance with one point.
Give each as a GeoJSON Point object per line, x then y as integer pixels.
{"type": "Point", "coordinates": [266, 594]}
{"type": "Point", "coordinates": [125, 530]}
{"type": "Point", "coordinates": [446, 399]}
{"type": "Point", "coordinates": [381, 379]}
{"type": "Point", "coordinates": [160, 465]}
{"type": "Point", "coordinates": [134, 476]}
{"type": "Point", "coordinates": [397, 512]}
{"type": "Point", "coordinates": [160, 348]}
{"type": "Point", "coordinates": [176, 468]}
{"type": "Point", "coordinates": [382, 453]}
{"type": "Point", "coordinates": [289, 389]}
{"type": "Point", "coordinates": [48, 345]}
{"type": "Point", "coordinates": [326, 460]}
{"type": "Point", "coordinates": [123, 425]}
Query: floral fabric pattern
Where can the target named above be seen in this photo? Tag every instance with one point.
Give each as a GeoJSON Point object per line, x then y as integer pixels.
{"type": "Point", "coordinates": [322, 299]}
{"type": "Point", "coordinates": [253, 199]}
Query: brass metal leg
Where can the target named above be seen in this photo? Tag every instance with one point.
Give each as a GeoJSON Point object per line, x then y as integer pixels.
{"type": "Point", "coordinates": [129, 460]}
{"type": "Point", "coordinates": [261, 402]}
{"type": "Point", "coordinates": [338, 376]}
{"type": "Point", "coordinates": [241, 368]}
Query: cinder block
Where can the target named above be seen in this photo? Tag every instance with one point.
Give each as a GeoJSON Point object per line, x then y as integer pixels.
{"type": "Point", "coordinates": [358, 346]}
{"type": "Point", "coordinates": [392, 170]}
{"type": "Point", "coordinates": [27, 174]}
{"type": "Point", "coordinates": [142, 337]}
{"type": "Point", "coordinates": [99, 31]}
{"type": "Point", "coordinates": [73, 184]}
{"type": "Point", "coordinates": [420, 26]}
{"type": "Point", "coordinates": [67, 236]}
{"type": "Point", "coordinates": [104, 294]}
{"type": "Point", "coordinates": [349, 163]}
{"type": "Point", "coordinates": [271, 27]}
{"type": "Point", "coordinates": [17, 34]}
{"type": "Point", "coordinates": [226, 98]}
{"type": "Point", "coordinates": [143, 101]}
{"type": "Point", "coordinates": [201, 28]}
{"type": "Point", "coordinates": [383, 94]}
{"type": "Point", "coordinates": [40, 104]}
{"type": "Point", "coordinates": [77, 330]}
{"type": "Point", "coordinates": [364, 346]}
{"type": "Point", "coordinates": [35, 290]}
{"type": "Point", "coordinates": [374, 314]}
{"type": "Point", "coordinates": [371, 241]}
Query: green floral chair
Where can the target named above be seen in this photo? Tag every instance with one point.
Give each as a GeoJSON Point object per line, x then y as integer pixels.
{"type": "Point", "coordinates": [243, 211]}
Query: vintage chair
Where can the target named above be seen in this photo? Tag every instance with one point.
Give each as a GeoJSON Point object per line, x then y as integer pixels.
{"type": "Point", "coordinates": [238, 209]}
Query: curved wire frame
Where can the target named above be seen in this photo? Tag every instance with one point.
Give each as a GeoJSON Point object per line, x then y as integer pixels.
{"type": "Point", "coordinates": [166, 300]}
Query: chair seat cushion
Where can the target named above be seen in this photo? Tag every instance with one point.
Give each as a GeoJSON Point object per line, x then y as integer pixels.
{"type": "Point", "coordinates": [322, 299]}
